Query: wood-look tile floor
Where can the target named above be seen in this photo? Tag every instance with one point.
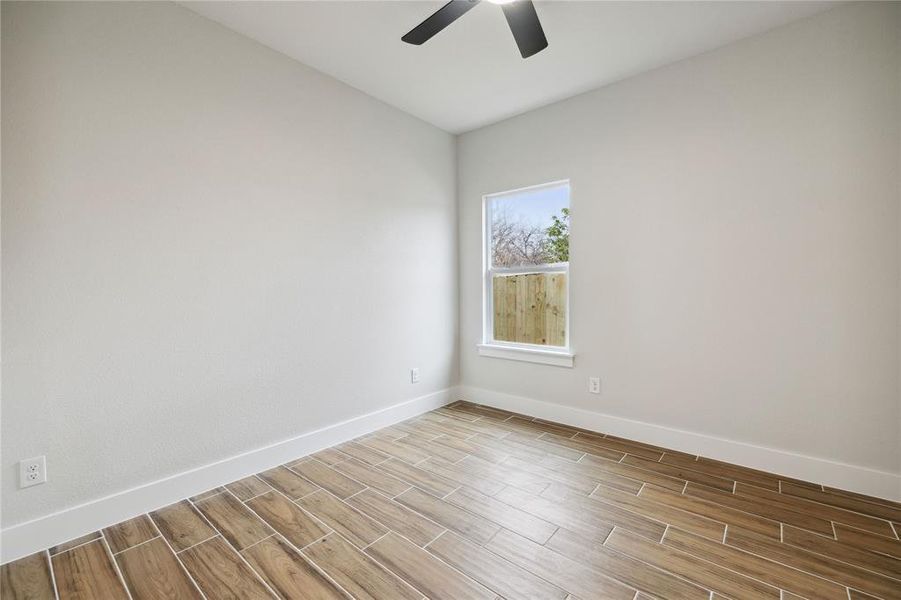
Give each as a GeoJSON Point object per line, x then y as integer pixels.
{"type": "Point", "coordinates": [472, 502]}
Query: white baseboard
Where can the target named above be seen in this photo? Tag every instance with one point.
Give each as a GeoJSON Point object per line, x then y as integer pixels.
{"type": "Point", "coordinates": [854, 478]}
{"type": "Point", "coordinates": [35, 535]}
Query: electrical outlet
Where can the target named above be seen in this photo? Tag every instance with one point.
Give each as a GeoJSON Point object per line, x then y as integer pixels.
{"type": "Point", "coordinates": [32, 471]}
{"type": "Point", "coordinates": [594, 385]}
{"type": "Point", "coordinates": [414, 375]}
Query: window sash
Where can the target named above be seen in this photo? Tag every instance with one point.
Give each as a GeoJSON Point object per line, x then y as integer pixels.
{"type": "Point", "coordinates": [488, 302]}
{"type": "Point", "coordinates": [488, 210]}
{"type": "Point", "coordinates": [529, 269]}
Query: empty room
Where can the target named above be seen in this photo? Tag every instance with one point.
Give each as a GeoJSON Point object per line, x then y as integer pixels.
{"type": "Point", "coordinates": [430, 300]}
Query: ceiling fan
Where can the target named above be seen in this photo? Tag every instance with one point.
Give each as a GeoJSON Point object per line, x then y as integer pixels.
{"type": "Point", "coordinates": [521, 17]}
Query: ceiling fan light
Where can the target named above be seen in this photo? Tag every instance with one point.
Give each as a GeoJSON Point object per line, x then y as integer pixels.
{"type": "Point", "coordinates": [502, 1]}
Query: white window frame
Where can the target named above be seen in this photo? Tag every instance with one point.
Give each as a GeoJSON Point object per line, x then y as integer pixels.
{"type": "Point", "coordinates": [560, 356]}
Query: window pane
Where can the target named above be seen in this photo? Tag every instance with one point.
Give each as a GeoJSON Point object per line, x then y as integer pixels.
{"type": "Point", "coordinates": [530, 308]}
{"type": "Point", "coordinates": [530, 227]}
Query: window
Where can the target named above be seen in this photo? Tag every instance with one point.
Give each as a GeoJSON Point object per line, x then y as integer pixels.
{"type": "Point", "coordinates": [526, 289]}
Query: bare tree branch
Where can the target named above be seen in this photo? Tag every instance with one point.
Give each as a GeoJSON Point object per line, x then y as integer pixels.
{"type": "Point", "coordinates": [515, 243]}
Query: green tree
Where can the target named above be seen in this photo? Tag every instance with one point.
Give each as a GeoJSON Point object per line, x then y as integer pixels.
{"type": "Point", "coordinates": [558, 237]}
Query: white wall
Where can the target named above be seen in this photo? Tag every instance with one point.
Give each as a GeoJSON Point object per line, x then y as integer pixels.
{"type": "Point", "coordinates": [735, 240]}
{"type": "Point", "coordinates": [207, 248]}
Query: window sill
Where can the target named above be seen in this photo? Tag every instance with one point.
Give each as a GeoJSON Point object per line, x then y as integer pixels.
{"type": "Point", "coordinates": [557, 358]}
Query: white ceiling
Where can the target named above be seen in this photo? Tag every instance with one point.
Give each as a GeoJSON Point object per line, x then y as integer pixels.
{"type": "Point", "coordinates": [471, 74]}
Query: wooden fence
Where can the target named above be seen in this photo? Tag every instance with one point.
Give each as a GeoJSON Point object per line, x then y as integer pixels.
{"type": "Point", "coordinates": [530, 308]}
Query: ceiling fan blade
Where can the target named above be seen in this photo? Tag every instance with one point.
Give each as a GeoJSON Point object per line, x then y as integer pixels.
{"type": "Point", "coordinates": [443, 17]}
{"type": "Point", "coordinates": [526, 28]}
